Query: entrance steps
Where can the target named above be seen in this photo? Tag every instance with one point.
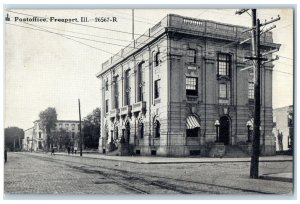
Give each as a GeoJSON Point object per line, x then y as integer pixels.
{"type": "Point", "coordinates": [234, 152]}
{"type": "Point", "coordinates": [121, 150]}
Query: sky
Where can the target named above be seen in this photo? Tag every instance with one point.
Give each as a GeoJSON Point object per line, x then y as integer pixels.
{"type": "Point", "coordinates": [49, 69]}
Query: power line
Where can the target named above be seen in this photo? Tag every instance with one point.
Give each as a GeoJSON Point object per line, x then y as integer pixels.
{"type": "Point", "coordinates": [286, 57]}
{"type": "Point", "coordinates": [283, 72]}
{"type": "Point", "coordinates": [64, 37]}
{"type": "Point", "coordinates": [97, 36]}
{"type": "Point", "coordinates": [115, 44]}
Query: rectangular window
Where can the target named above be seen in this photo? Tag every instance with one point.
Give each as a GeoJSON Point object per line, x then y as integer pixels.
{"type": "Point", "coordinates": [60, 125]}
{"type": "Point", "coordinates": [141, 81]}
{"type": "Point", "coordinates": [78, 126]}
{"type": "Point", "coordinates": [116, 80]}
{"type": "Point", "coordinates": [67, 126]}
{"type": "Point", "coordinates": [224, 62]}
{"type": "Point", "coordinates": [106, 106]}
{"type": "Point", "coordinates": [223, 91]}
{"type": "Point", "coordinates": [127, 88]}
{"type": "Point", "coordinates": [191, 85]}
{"type": "Point", "coordinates": [40, 135]}
{"type": "Point", "coordinates": [73, 126]}
{"type": "Point", "coordinates": [157, 88]}
{"type": "Point", "coordinates": [251, 86]}
{"type": "Point", "coordinates": [191, 56]}
{"type": "Point", "coordinates": [106, 85]}
{"type": "Point", "coordinates": [251, 90]}
{"type": "Point", "coordinates": [157, 59]}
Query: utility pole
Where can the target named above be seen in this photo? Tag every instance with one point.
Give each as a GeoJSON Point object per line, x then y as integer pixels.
{"type": "Point", "coordinates": [80, 135]}
{"type": "Point", "coordinates": [256, 140]}
{"type": "Point", "coordinates": [257, 58]}
{"type": "Point", "coordinates": [132, 24]}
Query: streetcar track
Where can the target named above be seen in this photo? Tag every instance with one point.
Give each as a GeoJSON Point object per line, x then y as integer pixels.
{"type": "Point", "coordinates": [163, 185]}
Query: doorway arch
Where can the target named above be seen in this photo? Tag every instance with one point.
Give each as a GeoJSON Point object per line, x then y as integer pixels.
{"type": "Point", "coordinates": [224, 131]}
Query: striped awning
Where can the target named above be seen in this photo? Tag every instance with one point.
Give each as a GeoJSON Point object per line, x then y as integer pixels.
{"type": "Point", "coordinates": [192, 122]}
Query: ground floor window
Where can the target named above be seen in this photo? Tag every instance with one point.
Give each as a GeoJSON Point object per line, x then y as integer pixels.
{"type": "Point", "coordinates": [156, 129]}
{"type": "Point", "coordinates": [141, 130]}
{"type": "Point", "coordinates": [192, 132]}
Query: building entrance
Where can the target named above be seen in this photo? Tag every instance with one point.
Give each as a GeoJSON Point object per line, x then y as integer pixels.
{"type": "Point", "coordinates": [224, 130]}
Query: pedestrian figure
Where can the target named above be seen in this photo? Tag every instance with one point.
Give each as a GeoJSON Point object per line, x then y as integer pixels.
{"type": "Point", "coordinates": [5, 155]}
{"type": "Point", "coordinates": [69, 150]}
{"type": "Point", "coordinates": [75, 149]}
{"type": "Point", "coordinates": [52, 151]}
{"type": "Point", "coordinates": [72, 150]}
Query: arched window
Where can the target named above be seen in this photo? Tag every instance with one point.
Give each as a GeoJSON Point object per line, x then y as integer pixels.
{"type": "Point", "coordinates": [116, 133]}
{"type": "Point", "coordinates": [156, 129]}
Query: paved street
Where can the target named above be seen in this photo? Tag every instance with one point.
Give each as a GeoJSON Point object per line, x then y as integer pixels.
{"type": "Point", "coordinates": [39, 173]}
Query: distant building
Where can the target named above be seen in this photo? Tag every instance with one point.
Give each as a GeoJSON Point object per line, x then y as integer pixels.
{"type": "Point", "coordinates": [283, 127]}
{"type": "Point", "coordinates": [28, 140]}
{"type": "Point", "coordinates": [71, 127]}
{"type": "Point", "coordinates": [167, 92]}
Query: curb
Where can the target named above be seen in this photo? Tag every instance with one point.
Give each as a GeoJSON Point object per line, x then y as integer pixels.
{"type": "Point", "coordinates": [275, 178]}
{"type": "Point", "coordinates": [177, 162]}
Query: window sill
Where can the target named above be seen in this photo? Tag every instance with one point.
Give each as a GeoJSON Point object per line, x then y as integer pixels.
{"type": "Point", "coordinates": [224, 77]}
{"type": "Point", "coordinates": [156, 101]}
{"type": "Point", "coordinates": [192, 99]}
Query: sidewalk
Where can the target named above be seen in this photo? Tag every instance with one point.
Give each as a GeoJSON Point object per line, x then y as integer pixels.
{"type": "Point", "coordinates": [175, 160]}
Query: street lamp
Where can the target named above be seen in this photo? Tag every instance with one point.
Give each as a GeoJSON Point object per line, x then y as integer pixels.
{"type": "Point", "coordinates": [249, 125]}
{"type": "Point", "coordinates": [217, 124]}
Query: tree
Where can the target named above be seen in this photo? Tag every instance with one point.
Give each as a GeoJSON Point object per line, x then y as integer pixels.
{"type": "Point", "coordinates": [91, 129]}
{"type": "Point", "coordinates": [48, 119]}
{"type": "Point", "coordinates": [13, 137]}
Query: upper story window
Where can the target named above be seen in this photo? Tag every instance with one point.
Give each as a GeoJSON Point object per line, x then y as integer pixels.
{"type": "Point", "coordinates": [223, 91]}
{"type": "Point", "coordinates": [141, 82]}
{"type": "Point", "coordinates": [106, 85]}
{"type": "Point", "coordinates": [116, 91]}
{"type": "Point", "coordinates": [67, 126]}
{"type": "Point", "coordinates": [73, 126]}
{"type": "Point", "coordinates": [157, 59]}
{"type": "Point", "coordinates": [224, 64]}
{"type": "Point", "coordinates": [127, 87]}
{"type": "Point", "coordinates": [191, 56]}
{"type": "Point", "coordinates": [60, 125]}
{"type": "Point", "coordinates": [156, 89]}
{"type": "Point", "coordinates": [78, 126]}
{"type": "Point", "coordinates": [251, 85]}
{"type": "Point", "coordinates": [191, 85]}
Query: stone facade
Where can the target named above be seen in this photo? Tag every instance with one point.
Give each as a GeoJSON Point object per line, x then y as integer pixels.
{"type": "Point", "coordinates": [183, 68]}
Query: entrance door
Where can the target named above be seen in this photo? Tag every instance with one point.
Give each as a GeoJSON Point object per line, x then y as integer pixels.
{"type": "Point", "coordinates": [224, 131]}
